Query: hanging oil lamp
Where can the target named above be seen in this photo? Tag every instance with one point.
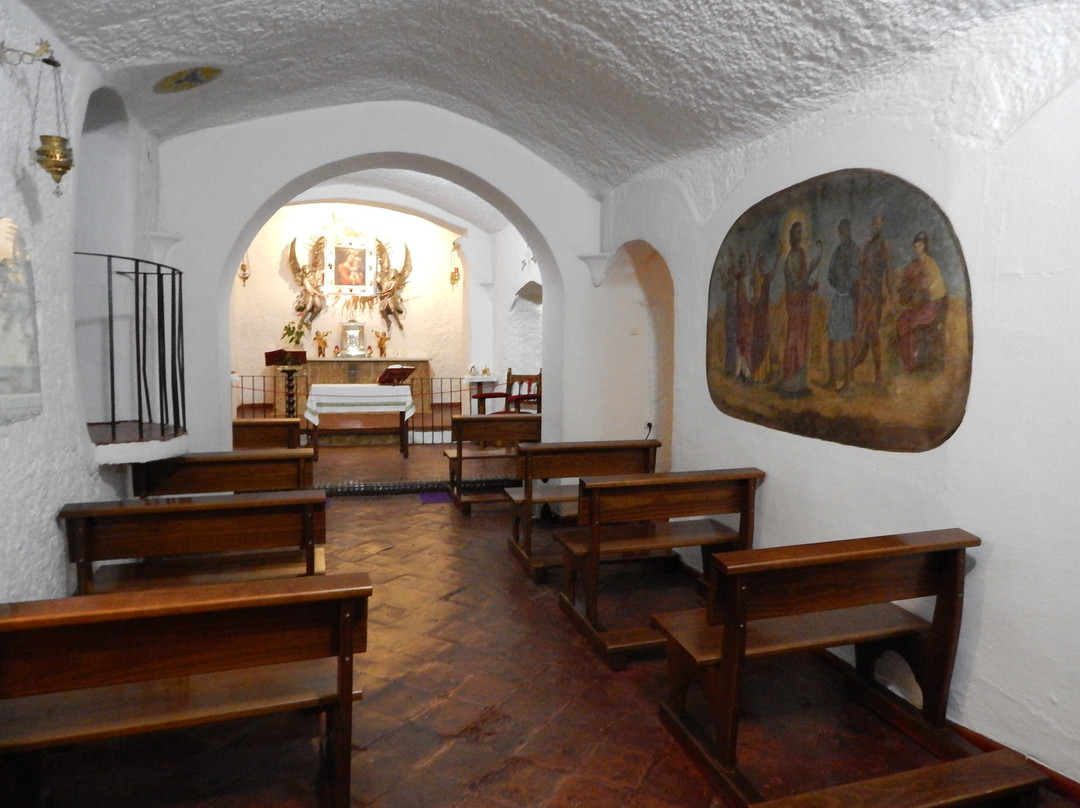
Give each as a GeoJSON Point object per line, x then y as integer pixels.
{"type": "Point", "coordinates": [54, 154]}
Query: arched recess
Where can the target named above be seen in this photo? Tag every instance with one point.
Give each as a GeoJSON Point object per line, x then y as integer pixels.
{"type": "Point", "coordinates": [105, 222]}
{"type": "Point", "coordinates": [541, 252]}
{"type": "Point", "coordinates": [639, 358]}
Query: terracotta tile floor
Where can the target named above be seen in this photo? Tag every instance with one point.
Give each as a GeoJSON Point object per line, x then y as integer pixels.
{"type": "Point", "coordinates": [479, 694]}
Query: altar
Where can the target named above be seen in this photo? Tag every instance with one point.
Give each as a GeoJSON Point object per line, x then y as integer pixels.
{"type": "Point", "coordinates": [341, 399]}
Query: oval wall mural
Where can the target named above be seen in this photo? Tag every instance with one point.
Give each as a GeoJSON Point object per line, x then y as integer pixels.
{"type": "Point", "coordinates": [840, 309]}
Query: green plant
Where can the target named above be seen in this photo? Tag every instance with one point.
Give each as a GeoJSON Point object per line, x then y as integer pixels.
{"type": "Point", "coordinates": [294, 332]}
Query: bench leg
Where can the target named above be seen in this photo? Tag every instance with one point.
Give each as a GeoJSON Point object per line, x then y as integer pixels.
{"type": "Point", "coordinates": [681, 667]}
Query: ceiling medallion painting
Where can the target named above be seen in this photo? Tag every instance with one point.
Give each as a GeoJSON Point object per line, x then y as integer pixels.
{"type": "Point", "coordinates": [187, 79]}
{"type": "Point", "coordinates": [840, 309]}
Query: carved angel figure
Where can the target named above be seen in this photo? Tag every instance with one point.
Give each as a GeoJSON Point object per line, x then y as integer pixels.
{"type": "Point", "coordinates": [311, 300]}
{"type": "Point", "coordinates": [390, 284]}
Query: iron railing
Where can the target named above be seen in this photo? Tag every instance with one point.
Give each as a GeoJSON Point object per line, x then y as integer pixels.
{"type": "Point", "coordinates": [140, 343]}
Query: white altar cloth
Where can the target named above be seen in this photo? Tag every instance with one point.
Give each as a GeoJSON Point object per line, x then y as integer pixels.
{"type": "Point", "coordinates": [358, 398]}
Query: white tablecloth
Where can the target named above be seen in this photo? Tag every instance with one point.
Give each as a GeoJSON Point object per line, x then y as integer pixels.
{"type": "Point", "coordinates": [358, 398]}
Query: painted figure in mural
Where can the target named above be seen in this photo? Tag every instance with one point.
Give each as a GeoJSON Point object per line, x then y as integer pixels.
{"type": "Point", "coordinates": [843, 272]}
{"type": "Point", "coordinates": [924, 301]}
{"type": "Point", "coordinates": [871, 294]}
{"type": "Point", "coordinates": [759, 348]}
{"type": "Point", "coordinates": [730, 285]}
{"type": "Point", "coordinates": [320, 342]}
{"type": "Point", "coordinates": [744, 317]}
{"type": "Point", "coordinates": [799, 287]}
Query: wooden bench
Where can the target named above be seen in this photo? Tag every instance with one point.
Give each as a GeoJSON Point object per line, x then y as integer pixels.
{"type": "Point", "coordinates": [172, 540]}
{"type": "Point", "coordinates": [91, 668]}
{"type": "Point", "coordinates": [479, 438]}
{"type": "Point", "coordinates": [215, 472]}
{"type": "Point", "coordinates": [809, 597]}
{"type": "Point", "coordinates": [266, 433]}
{"type": "Point", "coordinates": [542, 466]}
{"type": "Point", "coordinates": [627, 516]}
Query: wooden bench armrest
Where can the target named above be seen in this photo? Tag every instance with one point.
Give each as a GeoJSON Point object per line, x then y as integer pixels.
{"type": "Point", "coordinates": [979, 778]}
{"type": "Point", "coordinates": [93, 714]}
{"type": "Point", "coordinates": [781, 635]}
{"type": "Point", "coordinates": [765, 559]}
{"type": "Point", "coordinates": [649, 536]}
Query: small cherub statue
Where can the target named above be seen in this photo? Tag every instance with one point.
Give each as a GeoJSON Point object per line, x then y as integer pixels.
{"type": "Point", "coordinates": [320, 342]}
{"type": "Point", "coordinates": [382, 337]}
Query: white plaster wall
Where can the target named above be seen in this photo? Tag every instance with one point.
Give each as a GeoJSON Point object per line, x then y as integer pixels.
{"type": "Point", "coordinates": [476, 266]}
{"type": "Point", "coordinates": [1009, 474]}
{"type": "Point", "coordinates": [434, 310]}
{"type": "Point", "coordinates": [517, 323]}
{"type": "Point", "coordinates": [219, 186]}
{"type": "Point", "coordinates": [47, 460]}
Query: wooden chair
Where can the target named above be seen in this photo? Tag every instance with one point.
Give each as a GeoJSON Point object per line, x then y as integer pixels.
{"type": "Point", "coordinates": [521, 390]}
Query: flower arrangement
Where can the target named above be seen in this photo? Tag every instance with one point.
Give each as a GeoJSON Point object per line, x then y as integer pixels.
{"type": "Point", "coordinates": [294, 332]}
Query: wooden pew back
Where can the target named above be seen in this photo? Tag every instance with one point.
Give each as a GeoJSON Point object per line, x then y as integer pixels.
{"type": "Point", "coordinates": [550, 461]}
{"type": "Point", "coordinates": [211, 472]}
{"type": "Point", "coordinates": [620, 499]}
{"type": "Point", "coordinates": [826, 576]}
{"type": "Point", "coordinates": [506, 429]}
{"type": "Point", "coordinates": [50, 646]}
{"type": "Point", "coordinates": [168, 527]}
{"type": "Point", "coordinates": [266, 433]}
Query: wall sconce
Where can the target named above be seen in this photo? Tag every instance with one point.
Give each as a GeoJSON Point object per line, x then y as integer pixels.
{"type": "Point", "coordinates": [245, 270]}
{"type": "Point", "coordinates": [455, 263]}
{"type": "Point", "coordinates": [54, 153]}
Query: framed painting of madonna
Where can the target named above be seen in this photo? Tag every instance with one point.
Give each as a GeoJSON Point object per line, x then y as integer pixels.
{"type": "Point", "coordinates": [840, 309]}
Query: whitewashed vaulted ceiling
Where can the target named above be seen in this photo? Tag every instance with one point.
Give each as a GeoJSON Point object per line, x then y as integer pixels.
{"type": "Point", "coordinates": [603, 89]}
